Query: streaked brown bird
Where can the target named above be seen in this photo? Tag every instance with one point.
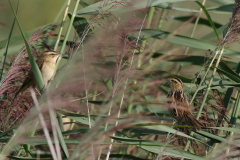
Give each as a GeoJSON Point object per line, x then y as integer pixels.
{"type": "Point", "coordinates": [179, 106]}
{"type": "Point", "coordinates": [46, 63]}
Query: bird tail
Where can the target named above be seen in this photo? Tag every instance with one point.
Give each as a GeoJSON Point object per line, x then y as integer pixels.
{"type": "Point", "coordinates": [21, 89]}
{"type": "Point", "coordinates": [192, 121]}
{"type": "Point", "coordinates": [16, 94]}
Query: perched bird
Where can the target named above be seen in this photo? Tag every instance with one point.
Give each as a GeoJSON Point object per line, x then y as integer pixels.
{"type": "Point", "coordinates": [178, 104]}
{"type": "Point", "coordinates": [46, 63]}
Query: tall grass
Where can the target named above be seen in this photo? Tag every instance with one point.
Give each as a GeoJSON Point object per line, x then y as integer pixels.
{"type": "Point", "coordinates": [112, 87]}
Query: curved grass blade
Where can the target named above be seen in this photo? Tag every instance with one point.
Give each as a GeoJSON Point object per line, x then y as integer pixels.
{"type": "Point", "coordinates": [201, 21]}
{"type": "Point", "coordinates": [209, 18]}
{"type": "Point", "coordinates": [75, 131]}
{"type": "Point", "coordinates": [186, 41]}
{"type": "Point", "coordinates": [157, 147]}
{"type": "Point", "coordinates": [166, 6]}
{"type": "Point", "coordinates": [189, 59]}
{"type": "Point", "coordinates": [35, 69]}
{"type": "Point", "coordinates": [26, 158]}
{"type": "Point", "coordinates": [212, 34]}
{"type": "Point", "coordinates": [92, 9]}
{"type": "Point", "coordinates": [79, 24]}
{"type": "Point", "coordinates": [225, 8]}
{"type": "Point", "coordinates": [6, 51]}
{"type": "Point", "coordinates": [84, 4]}
{"type": "Point", "coordinates": [211, 136]}
{"type": "Point", "coordinates": [60, 136]}
{"type": "Point", "coordinates": [171, 130]}
{"type": "Point", "coordinates": [228, 94]}
{"type": "Point", "coordinates": [226, 129]}
{"type": "Point", "coordinates": [226, 68]}
{"type": "Point", "coordinates": [224, 1]}
{"type": "Point", "coordinates": [221, 84]}
{"type": "Point", "coordinates": [229, 75]}
{"type": "Point", "coordinates": [15, 48]}
{"type": "Point", "coordinates": [66, 37]}
{"type": "Point", "coordinates": [126, 157]}
{"type": "Point", "coordinates": [18, 38]}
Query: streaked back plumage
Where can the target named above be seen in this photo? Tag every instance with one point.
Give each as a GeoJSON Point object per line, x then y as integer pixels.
{"type": "Point", "coordinates": [179, 106]}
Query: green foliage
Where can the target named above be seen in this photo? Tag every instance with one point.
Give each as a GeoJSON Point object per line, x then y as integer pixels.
{"type": "Point", "coordinates": [111, 93]}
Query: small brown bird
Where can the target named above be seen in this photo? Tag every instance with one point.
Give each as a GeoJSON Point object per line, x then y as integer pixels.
{"type": "Point", "coordinates": [178, 104]}
{"type": "Point", "coordinates": [46, 63]}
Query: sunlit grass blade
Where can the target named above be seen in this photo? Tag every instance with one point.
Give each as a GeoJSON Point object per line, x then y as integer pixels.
{"type": "Point", "coordinates": [66, 37]}
{"type": "Point", "coordinates": [35, 69]}
{"type": "Point", "coordinates": [62, 23]}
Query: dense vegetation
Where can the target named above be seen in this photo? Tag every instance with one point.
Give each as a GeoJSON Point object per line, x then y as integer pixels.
{"type": "Point", "coordinates": [108, 97]}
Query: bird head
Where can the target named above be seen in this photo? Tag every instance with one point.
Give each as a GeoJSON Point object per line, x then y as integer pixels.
{"type": "Point", "coordinates": [50, 56]}
{"type": "Point", "coordinates": [175, 83]}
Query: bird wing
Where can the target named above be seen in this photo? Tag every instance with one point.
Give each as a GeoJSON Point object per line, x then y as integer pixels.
{"type": "Point", "coordinates": [30, 75]}
{"type": "Point", "coordinates": [40, 62]}
{"type": "Point", "coordinates": [180, 105]}
{"type": "Point", "coordinates": [29, 80]}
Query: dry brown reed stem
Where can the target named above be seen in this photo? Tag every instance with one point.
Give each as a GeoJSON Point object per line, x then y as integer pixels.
{"type": "Point", "coordinates": [120, 107]}
{"type": "Point", "coordinates": [42, 121]}
{"type": "Point", "coordinates": [88, 110]}
{"type": "Point", "coordinates": [54, 128]}
{"type": "Point", "coordinates": [61, 28]}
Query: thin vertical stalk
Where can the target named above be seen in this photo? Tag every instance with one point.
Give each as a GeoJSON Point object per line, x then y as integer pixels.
{"type": "Point", "coordinates": [111, 100]}
{"type": "Point", "coordinates": [67, 2]}
{"type": "Point", "coordinates": [148, 24]}
{"type": "Point", "coordinates": [200, 84]}
{"type": "Point", "coordinates": [109, 112]}
{"type": "Point", "coordinates": [55, 136]}
{"type": "Point", "coordinates": [192, 34]}
{"type": "Point", "coordinates": [89, 27]}
{"type": "Point", "coordinates": [93, 99]}
{"type": "Point", "coordinates": [86, 93]}
{"type": "Point", "coordinates": [66, 36]}
{"type": "Point", "coordinates": [206, 93]}
{"type": "Point", "coordinates": [160, 23]}
{"type": "Point", "coordinates": [149, 20]}
{"type": "Point", "coordinates": [228, 95]}
{"type": "Point", "coordinates": [235, 111]}
{"type": "Point", "coordinates": [5, 53]}
{"type": "Point", "coordinates": [44, 125]}
{"type": "Point", "coordinates": [59, 116]}
{"type": "Point", "coordinates": [34, 66]}
{"type": "Point", "coordinates": [61, 27]}
{"type": "Point", "coordinates": [60, 121]}
{"type": "Point", "coordinates": [125, 86]}
{"type": "Point", "coordinates": [209, 85]}
{"type": "Point", "coordinates": [234, 116]}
